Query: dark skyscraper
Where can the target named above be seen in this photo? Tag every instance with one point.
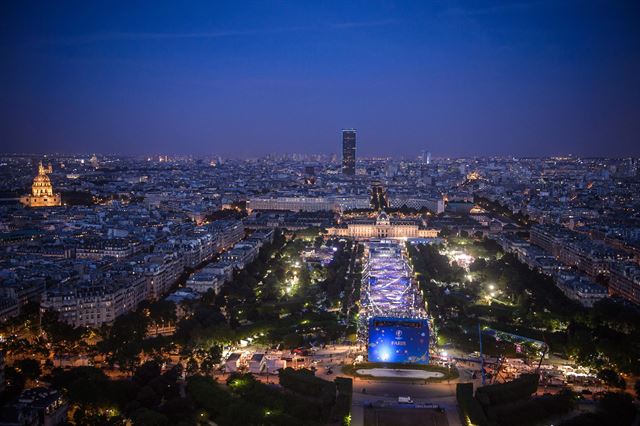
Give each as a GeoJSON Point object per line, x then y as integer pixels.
{"type": "Point", "coordinates": [349, 152]}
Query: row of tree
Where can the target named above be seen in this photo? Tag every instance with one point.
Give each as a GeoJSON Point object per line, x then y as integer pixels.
{"type": "Point", "coordinates": [605, 336]}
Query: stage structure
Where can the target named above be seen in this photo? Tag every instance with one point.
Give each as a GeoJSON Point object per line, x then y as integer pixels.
{"type": "Point", "coordinates": [402, 340]}
{"type": "Point", "coordinates": [393, 320]}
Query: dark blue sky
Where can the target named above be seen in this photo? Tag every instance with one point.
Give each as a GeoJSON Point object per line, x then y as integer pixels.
{"type": "Point", "coordinates": [249, 78]}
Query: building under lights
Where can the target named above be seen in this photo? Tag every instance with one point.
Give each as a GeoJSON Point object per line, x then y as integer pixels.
{"type": "Point", "coordinates": [42, 194]}
{"type": "Point", "coordinates": [383, 227]}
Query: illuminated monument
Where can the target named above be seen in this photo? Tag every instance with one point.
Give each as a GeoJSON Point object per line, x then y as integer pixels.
{"type": "Point", "coordinates": [383, 227]}
{"type": "Point", "coordinates": [42, 191]}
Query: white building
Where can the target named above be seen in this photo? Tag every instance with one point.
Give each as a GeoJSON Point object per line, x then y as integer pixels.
{"type": "Point", "coordinates": [227, 233]}
{"type": "Point", "coordinates": [308, 204]}
{"type": "Point", "coordinates": [203, 281]}
{"type": "Point", "coordinates": [161, 271]}
{"type": "Point", "coordinates": [580, 289]}
{"type": "Point", "coordinates": [257, 363]}
{"type": "Point", "coordinates": [294, 204]}
{"type": "Point", "coordinates": [383, 227]}
{"type": "Point", "coordinates": [232, 363]}
{"type": "Point", "coordinates": [241, 255]}
{"type": "Point", "coordinates": [99, 249]}
{"type": "Point", "coordinates": [93, 304]}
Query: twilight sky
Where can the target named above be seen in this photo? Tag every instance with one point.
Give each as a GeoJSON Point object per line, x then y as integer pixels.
{"type": "Point", "coordinates": [249, 78]}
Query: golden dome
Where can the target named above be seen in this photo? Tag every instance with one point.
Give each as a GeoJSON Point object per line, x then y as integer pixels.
{"type": "Point", "coordinates": [42, 179]}
{"type": "Point", "coordinates": [42, 194]}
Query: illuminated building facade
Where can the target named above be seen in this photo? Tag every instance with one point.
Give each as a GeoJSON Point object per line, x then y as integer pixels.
{"type": "Point", "coordinates": [383, 227]}
{"type": "Point", "coordinates": [42, 194]}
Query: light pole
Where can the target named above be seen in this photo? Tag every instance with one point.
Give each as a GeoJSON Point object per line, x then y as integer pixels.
{"type": "Point", "coordinates": [481, 355]}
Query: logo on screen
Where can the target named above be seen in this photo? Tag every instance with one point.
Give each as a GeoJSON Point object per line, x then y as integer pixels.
{"type": "Point", "coordinates": [398, 334]}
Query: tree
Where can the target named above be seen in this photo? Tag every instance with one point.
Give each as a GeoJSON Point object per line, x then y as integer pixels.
{"type": "Point", "coordinates": [478, 265]}
{"type": "Point", "coordinates": [146, 372]}
{"type": "Point", "coordinates": [29, 367]}
{"type": "Point", "coordinates": [292, 341]}
{"type": "Point", "coordinates": [15, 382]}
{"type": "Point", "coordinates": [209, 298]}
{"type": "Point", "coordinates": [618, 408]}
{"type": "Point", "coordinates": [61, 335]}
{"type": "Point", "coordinates": [207, 394]}
{"type": "Point", "coordinates": [215, 353]}
{"type": "Point", "coordinates": [123, 342]}
{"type": "Point", "coordinates": [88, 392]}
{"type": "Point", "coordinates": [192, 366]}
{"type": "Point", "coordinates": [88, 387]}
{"type": "Point", "coordinates": [147, 417]}
{"type": "Point", "coordinates": [162, 312]}
{"type": "Point", "coordinates": [241, 413]}
{"type": "Point", "coordinates": [206, 366]}
{"type": "Point", "coordinates": [611, 378]}
{"type": "Point", "coordinates": [179, 410]}
{"type": "Point", "coordinates": [147, 397]}
{"type": "Point", "coordinates": [83, 416]}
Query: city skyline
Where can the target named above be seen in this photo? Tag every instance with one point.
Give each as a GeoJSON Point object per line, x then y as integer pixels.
{"type": "Point", "coordinates": [533, 78]}
{"type": "Point", "coordinates": [337, 213]}
{"type": "Point", "coordinates": [247, 277]}
{"type": "Point", "coordinates": [333, 157]}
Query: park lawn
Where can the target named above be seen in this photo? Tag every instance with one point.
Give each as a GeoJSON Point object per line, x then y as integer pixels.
{"type": "Point", "coordinates": [449, 374]}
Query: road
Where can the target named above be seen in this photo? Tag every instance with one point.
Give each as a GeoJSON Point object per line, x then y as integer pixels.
{"type": "Point", "coordinates": [441, 394]}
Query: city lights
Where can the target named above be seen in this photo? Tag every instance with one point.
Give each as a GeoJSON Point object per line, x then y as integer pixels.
{"type": "Point", "coordinates": [193, 231]}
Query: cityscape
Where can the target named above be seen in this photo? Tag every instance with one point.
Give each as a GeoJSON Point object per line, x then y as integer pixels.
{"type": "Point", "coordinates": [265, 278]}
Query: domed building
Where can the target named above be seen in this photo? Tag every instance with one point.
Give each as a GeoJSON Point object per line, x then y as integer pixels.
{"type": "Point", "coordinates": [42, 194]}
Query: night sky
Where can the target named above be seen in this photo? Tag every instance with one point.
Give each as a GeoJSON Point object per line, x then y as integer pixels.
{"type": "Point", "coordinates": [525, 78]}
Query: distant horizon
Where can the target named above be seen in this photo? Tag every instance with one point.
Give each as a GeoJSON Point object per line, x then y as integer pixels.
{"type": "Point", "coordinates": [155, 155]}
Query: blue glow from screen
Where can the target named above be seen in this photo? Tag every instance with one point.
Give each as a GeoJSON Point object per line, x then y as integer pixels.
{"type": "Point", "coordinates": [401, 340]}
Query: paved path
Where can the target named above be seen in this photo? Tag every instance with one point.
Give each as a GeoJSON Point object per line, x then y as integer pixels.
{"type": "Point", "coordinates": [442, 394]}
{"type": "Point", "coordinates": [404, 373]}
{"type": "Point", "coordinates": [448, 402]}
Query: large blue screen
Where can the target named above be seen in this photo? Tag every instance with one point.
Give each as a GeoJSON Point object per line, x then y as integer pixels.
{"type": "Point", "coordinates": [403, 340]}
